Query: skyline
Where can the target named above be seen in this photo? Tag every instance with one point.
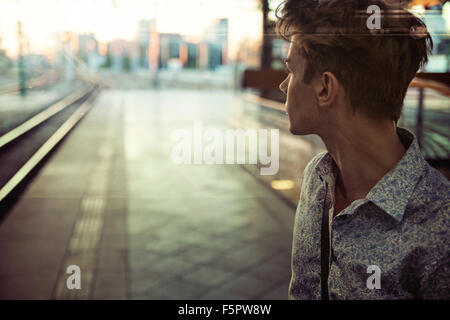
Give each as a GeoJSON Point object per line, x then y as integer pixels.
{"type": "Point", "coordinates": [42, 20]}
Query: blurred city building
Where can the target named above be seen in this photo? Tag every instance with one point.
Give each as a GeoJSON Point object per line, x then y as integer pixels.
{"type": "Point", "coordinates": [143, 36]}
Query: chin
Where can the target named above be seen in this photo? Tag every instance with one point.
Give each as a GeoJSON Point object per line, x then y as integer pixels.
{"type": "Point", "coordinates": [295, 131]}
{"type": "Point", "coordinates": [299, 130]}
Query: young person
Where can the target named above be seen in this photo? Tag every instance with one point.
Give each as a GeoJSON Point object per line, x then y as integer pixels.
{"type": "Point", "coordinates": [373, 217]}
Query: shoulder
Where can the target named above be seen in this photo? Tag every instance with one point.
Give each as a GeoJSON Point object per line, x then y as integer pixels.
{"type": "Point", "coordinates": [428, 210]}
{"type": "Point", "coordinates": [432, 189]}
{"type": "Point", "coordinates": [431, 194]}
{"type": "Point", "coordinates": [312, 165]}
{"type": "Point", "coordinates": [434, 179]}
{"type": "Point", "coordinates": [310, 177]}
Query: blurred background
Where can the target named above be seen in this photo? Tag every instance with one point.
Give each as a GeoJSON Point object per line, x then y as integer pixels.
{"type": "Point", "coordinates": [90, 92]}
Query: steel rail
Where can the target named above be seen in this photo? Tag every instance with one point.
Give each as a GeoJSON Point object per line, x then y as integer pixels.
{"type": "Point", "coordinates": [47, 147]}
{"type": "Point", "coordinates": [42, 116]}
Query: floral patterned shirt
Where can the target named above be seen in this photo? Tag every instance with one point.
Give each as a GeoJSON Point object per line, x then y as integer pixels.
{"type": "Point", "coordinates": [393, 244]}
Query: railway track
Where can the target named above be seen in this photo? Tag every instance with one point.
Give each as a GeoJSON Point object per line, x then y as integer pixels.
{"type": "Point", "coordinates": [41, 81]}
{"type": "Point", "coordinates": [26, 147]}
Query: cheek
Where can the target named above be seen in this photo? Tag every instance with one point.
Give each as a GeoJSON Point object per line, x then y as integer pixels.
{"type": "Point", "coordinates": [295, 90]}
{"type": "Point", "coordinates": [300, 92]}
{"type": "Point", "coordinates": [291, 88]}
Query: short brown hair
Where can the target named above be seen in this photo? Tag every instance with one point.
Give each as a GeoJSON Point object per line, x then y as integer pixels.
{"type": "Point", "coordinates": [375, 67]}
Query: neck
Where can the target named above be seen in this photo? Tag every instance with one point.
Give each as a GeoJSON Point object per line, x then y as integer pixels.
{"type": "Point", "coordinates": [364, 151]}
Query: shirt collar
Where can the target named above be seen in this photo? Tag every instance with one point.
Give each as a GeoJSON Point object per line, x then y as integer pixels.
{"type": "Point", "coordinates": [393, 190]}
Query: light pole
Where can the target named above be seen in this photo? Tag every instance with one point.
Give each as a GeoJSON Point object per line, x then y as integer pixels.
{"type": "Point", "coordinates": [69, 63]}
{"type": "Point", "coordinates": [21, 63]}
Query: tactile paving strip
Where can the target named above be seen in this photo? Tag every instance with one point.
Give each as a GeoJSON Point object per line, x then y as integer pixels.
{"type": "Point", "coordinates": [85, 239]}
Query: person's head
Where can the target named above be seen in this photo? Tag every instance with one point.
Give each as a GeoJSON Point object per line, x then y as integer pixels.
{"type": "Point", "coordinates": [338, 67]}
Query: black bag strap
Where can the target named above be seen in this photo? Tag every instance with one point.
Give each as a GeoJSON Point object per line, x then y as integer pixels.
{"type": "Point", "coordinates": [325, 246]}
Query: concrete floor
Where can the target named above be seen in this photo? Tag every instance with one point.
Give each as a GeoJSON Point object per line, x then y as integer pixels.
{"type": "Point", "coordinates": [111, 201]}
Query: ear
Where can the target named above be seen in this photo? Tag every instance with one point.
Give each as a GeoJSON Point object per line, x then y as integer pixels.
{"type": "Point", "coordinates": [326, 87]}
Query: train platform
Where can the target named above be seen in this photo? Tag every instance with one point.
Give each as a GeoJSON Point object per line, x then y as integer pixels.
{"type": "Point", "coordinates": [110, 201]}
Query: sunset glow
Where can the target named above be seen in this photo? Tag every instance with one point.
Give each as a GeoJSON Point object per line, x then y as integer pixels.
{"type": "Point", "coordinates": [118, 19]}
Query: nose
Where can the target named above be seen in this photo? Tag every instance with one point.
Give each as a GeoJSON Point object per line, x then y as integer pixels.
{"type": "Point", "coordinates": [283, 86]}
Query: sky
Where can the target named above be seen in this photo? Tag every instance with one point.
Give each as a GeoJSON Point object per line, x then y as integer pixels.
{"type": "Point", "coordinates": [118, 19]}
{"type": "Point", "coordinates": [111, 19]}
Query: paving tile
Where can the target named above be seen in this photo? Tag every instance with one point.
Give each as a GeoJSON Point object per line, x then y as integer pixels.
{"type": "Point", "coordinates": [85, 259]}
{"type": "Point", "coordinates": [117, 186]}
{"type": "Point", "coordinates": [222, 244]}
{"type": "Point", "coordinates": [271, 270]}
{"type": "Point", "coordinates": [238, 260]}
{"type": "Point", "coordinates": [208, 277]}
{"type": "Point", "coordinates": [145, 226]}
{"type": "Point", "coordinates": [220, 294]}
{"type": "Point", "coordinates": [279, 292]}
{"type": "Point", "coordinates": [194, 237]}
{"type": "Point", "coordinates": [143, 282]}
{"type": "Point", "coordinates": [246, 286]}
{"type": "Point", "coordinates": [141, 188]}
{"type": "Point", "coordinates": [30, 256]}
{"type": "Point", "coordinates": [282, 257]}
{"type": "Point", "coordinates": [139, 242]}
{"type": "Point", "coordinates": [112, 260]}
{"type": "Point", "coordinates": [281, 212]}
{"type": "Point", "coordinates": [243, 234]}
{"type": "Point", "coordinates": [198, 255]}
{"type": "Point", "coordinates": [41, 218]}
{"type": "Point", "coordinates": [114, 241]}
{"type": "Point", "coordinates": [173, 266]}
{"type": "Point", "coordinates": [146, 222]}
{"type": "Point", "coordinates": [179, 290]}
{"type": "Point", "coordinates": [110, 286]}
{"type": "Point", "coordinates": [57, 186]}
{"type": "Point", "coordinates": [277, 240]}
{"type": "Point", "coordinates": [252, 252]}
{"type": "Point", "coordinates": [145, 296]}
{"type": "Point", "coordinates": [26, 287]}
{"type": "Point", "coordinates": [114, 224]}
{"type": "Point", "coordinates": [164, 246]}
{"type": "Point", "coordinates": [173, 231]}
{"type": "Point", "coordinates": [116, 204]}
{"type": "Point", "coordinates": [143, 259]}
